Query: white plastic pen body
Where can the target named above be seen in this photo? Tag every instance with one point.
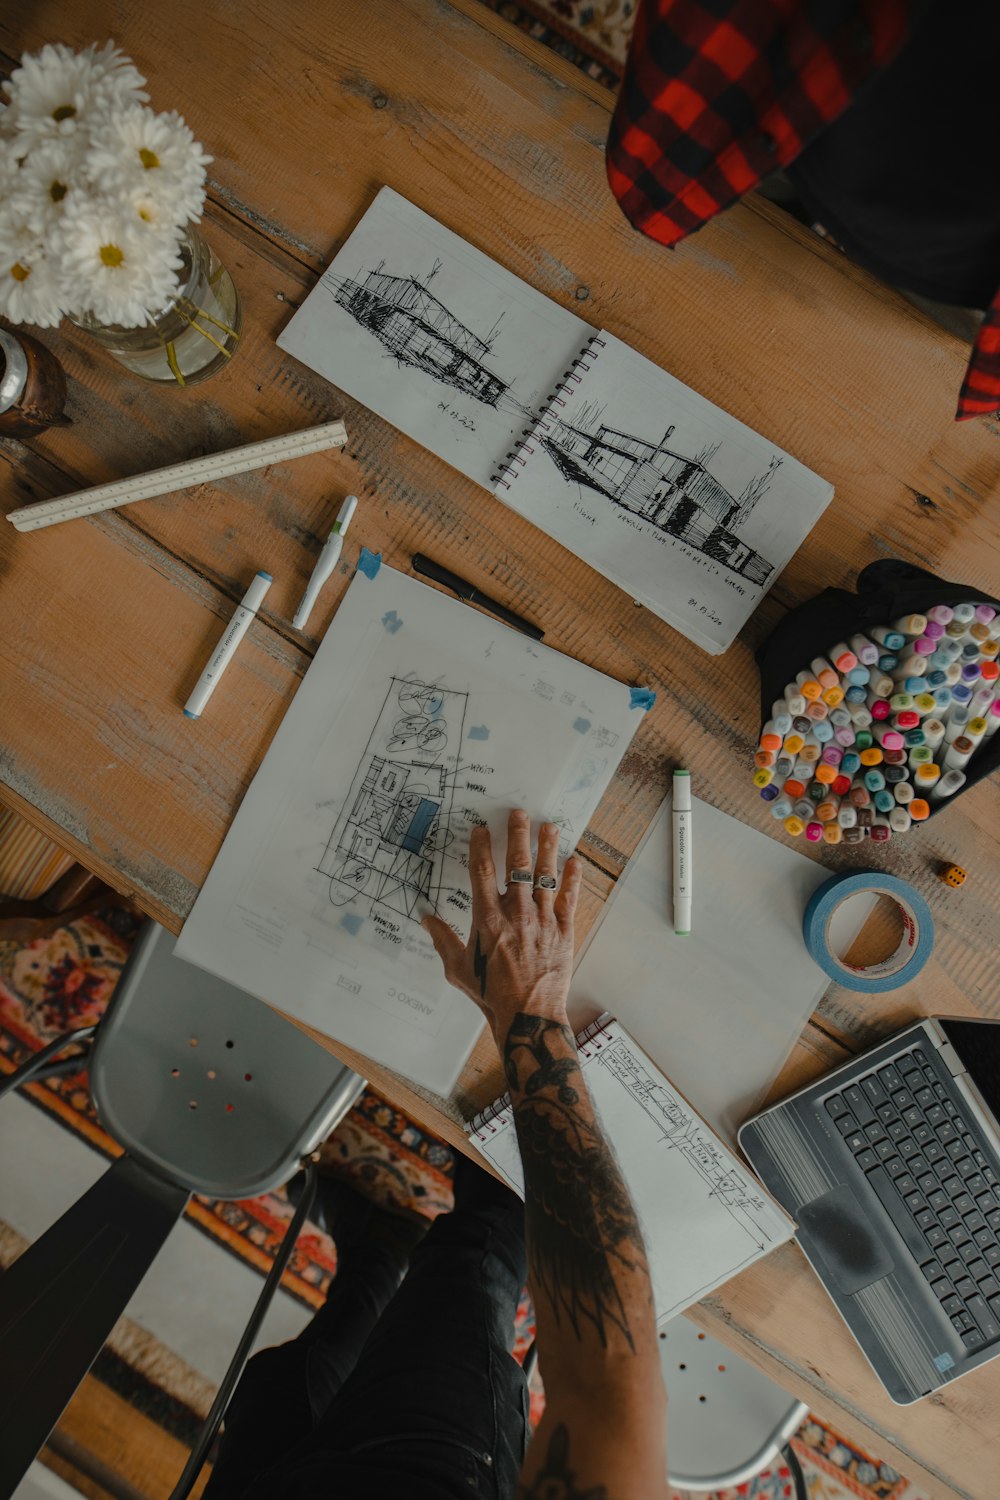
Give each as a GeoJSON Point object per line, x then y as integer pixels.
{"type": "Point", "coordinates": [226, 649]}
{"type": "Point", "coordinates": [682, 853]}
{"type": "Point", "coordinates": [326, 562]}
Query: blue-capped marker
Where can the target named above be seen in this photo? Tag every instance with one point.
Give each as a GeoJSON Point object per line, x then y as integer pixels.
{"type": "Point", "coordinates": [226, 649]}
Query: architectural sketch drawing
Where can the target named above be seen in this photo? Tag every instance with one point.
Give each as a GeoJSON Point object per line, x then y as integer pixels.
{"type": "Point", "coordinates": [417, 329]}
{"type": "Point", "coordinates": [682, 1131]}
{"type": "Point", "coordinates": [671, 490]}
{"type": "Point", "coordinates": [387, 846]}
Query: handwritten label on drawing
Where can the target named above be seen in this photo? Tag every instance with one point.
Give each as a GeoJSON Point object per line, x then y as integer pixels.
{"type": "Point", "coordinates": [584, 513]}
{"type": "Point", "coordinates": [457, 416]}
{"type": "Point", "coordinates": [385, 927]}
{"type": "Point", "coordinates": [704, 609]}
{"type": "Point", "coordinates": [697, 559]}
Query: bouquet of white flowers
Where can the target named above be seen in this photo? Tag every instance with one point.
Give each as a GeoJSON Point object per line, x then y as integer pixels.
{"type": "Point", "coordinates": [95, 191]}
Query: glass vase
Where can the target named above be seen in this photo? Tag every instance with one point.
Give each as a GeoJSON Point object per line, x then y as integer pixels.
{"type": "Point", "coordinates": [193, 336]}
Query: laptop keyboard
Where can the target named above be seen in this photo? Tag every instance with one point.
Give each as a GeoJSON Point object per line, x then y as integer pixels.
{"type": "Point", "coordinates": [913, 1143]}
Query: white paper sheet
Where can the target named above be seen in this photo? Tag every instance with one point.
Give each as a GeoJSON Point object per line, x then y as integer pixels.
{"type": "Point", "coordinates": [704, 1217]}
{"type": "Point", "coordinates": [664, 493]}
{"type": "Point", "coordinates": [434, 336]}
{"type": "Point", "coordinates": [718, 1011]}
{"type": "Point", "coordinates": [418, 719]}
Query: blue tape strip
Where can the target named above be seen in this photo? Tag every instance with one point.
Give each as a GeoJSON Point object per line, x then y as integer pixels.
{"type": "Point", "coordinates": [896, 970]}
{"type": "Point", "coordinates": [641, 697]}
{"type": "Point", "coordinates": [369, 562]}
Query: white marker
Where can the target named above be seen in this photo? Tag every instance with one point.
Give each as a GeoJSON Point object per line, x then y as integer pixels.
{"type": "Point", "coordinates": [226, 649]}
{"type": "Point", "coordinates": [682, 853]}
{"type": "Point", "coordinates": [950, 783]}
{"type": "Point", "coordinates": [326, 562]}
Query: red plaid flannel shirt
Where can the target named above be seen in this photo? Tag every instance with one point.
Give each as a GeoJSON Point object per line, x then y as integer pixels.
{"type": "Point", "coordinates": [719, 93]}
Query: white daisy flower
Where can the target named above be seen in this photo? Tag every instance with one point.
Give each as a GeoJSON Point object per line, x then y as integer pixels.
{"type": "Point", "coordinates": [30, 285]}
{"type": "Point", "coordinates": [9, 170]}
{"type": "Point", "coordinates": [117, 80]}
{"type": "Point", "coordinates": [51, 93]}
{"type": "Point", "coordinates": [155, 207]}
{"type": "Point", "coordinates": [135, 148]}
{"type": "Point", "coordinates": [49, 178]}
{"type": "Point", "coordinates": [120, 270]}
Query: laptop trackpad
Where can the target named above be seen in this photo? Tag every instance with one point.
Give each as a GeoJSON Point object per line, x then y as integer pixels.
{"type": "Point", "coordinates": [844, 1238]}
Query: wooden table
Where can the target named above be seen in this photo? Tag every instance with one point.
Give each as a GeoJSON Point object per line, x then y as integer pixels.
{"type": "Point", "coordinates": [105, 623]}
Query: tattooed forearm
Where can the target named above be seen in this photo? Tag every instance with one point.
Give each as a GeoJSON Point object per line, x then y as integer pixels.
{"type": "Point", "coordinates": [479, 968]}
{"type": "Point", "coordinates": [583, 1236]}
{"type": "Point", "coordinates": [556, 1478]}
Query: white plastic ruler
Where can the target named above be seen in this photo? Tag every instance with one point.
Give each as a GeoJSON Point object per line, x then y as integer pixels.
{"type": "Point", "coordinates": [183, 476]}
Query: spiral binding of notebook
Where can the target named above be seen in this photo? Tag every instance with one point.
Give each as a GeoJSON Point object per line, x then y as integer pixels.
{"type": "Point", "coordinates": [489, 1120]}
{"type": "Point", "coordinates": [523, 448]}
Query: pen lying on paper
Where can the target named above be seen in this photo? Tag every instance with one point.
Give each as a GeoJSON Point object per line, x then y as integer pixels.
{"type": "Point", "coordinates": [472, 595]}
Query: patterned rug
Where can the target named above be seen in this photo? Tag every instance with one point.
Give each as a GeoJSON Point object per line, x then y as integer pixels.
{"type": "Point", "coordinates": [66, 980]}
{"type": "Point", "coordinates": [592, 34]}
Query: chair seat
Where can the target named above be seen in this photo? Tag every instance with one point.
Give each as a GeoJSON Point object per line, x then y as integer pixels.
{"type": "Point", "coordinates": [206, 1084]}
{"type": "Point", "coordinates": [727, 1420]}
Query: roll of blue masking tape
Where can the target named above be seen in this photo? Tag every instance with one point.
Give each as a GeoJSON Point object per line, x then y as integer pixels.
{"type": "Point", "coordinates": [900, 967]}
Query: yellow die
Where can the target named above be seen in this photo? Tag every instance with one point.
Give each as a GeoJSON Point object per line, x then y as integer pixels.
{"type": "Point", "coordinates": [952, 875]}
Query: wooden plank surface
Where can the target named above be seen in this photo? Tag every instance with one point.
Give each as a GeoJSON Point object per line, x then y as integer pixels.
{"type": "Point", "coordinates": [104, 623]}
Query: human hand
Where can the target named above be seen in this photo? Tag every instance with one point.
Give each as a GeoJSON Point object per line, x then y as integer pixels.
{"type": "Point", "coordinates": [519, 957]}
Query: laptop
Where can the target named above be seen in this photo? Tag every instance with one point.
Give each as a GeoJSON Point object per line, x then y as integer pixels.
{"type": "Point", "coordinates": [890, 1167]}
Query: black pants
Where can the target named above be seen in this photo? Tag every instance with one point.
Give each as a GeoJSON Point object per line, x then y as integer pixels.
{"type": "Point", "coordinates": [410, 1391]}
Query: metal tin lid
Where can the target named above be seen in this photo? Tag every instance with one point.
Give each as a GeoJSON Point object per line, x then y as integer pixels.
{"type": "Point", "coordinates": [13, 371]}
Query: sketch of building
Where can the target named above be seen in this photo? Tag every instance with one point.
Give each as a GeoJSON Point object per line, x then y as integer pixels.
{"type": "Point", "coordinates": [668, 489]}
{"type": "Point", "coordinates": [417, 329]}
{"type": "Point", "coordinates": [387, 845]}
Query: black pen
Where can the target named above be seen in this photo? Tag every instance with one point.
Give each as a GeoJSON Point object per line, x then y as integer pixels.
{"type": "Point", "coordinates": [472, 595]}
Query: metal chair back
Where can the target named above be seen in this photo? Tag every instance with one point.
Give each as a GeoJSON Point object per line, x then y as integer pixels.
{"type": "Point", "coordinates": [209, 1091]}
{"type": "Point", "coordinates": [207, 1085]}
{"type": "Point", "coordinates": [728, 1421]}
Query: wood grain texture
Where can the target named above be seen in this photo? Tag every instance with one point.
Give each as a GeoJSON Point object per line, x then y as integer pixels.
{"type": "Point", "coordinates": [104, 624]}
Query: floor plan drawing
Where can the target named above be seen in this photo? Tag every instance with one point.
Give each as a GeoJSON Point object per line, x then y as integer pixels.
{"type": "Point", "coordinates": [387, 847]}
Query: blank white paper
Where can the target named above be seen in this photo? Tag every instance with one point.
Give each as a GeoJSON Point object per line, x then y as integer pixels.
{"type": "Point", "coordinates": [719, 1011]}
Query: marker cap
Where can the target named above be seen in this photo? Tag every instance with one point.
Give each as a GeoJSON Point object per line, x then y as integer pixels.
{"type": "Point", "coordinates": [345, 514]}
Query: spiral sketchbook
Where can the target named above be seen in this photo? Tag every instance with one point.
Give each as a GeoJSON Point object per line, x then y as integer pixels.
{"type": "Point", "coordinates": [690, 512]}
{"type": "Point", "coordinates": [704, 1217]}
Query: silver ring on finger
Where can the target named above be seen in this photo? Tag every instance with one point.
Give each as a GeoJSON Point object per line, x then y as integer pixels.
{"type": "Point", "coordinates": [520, 877]}
{"type": "Point", "coordinates": [546, 883]}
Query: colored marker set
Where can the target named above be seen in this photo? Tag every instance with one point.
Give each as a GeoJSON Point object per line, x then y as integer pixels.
{"type": "Point", "coordinates": [865, 740]}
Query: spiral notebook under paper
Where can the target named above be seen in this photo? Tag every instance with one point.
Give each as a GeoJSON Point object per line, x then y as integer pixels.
{"type": "Point", "coordinates": [681, 505]}
{"type": "Point", "coordinates": [704, 1216]}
